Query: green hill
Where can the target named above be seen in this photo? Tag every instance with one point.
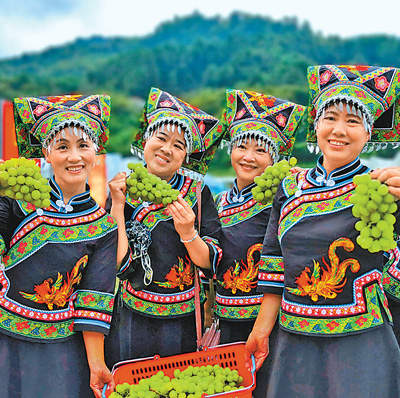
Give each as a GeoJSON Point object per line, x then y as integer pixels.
{"type": "Point", "coordinates": [195, 57]}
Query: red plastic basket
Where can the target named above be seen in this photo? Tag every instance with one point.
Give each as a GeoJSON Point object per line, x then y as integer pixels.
{"type": "Point", "coordinates": [227, 355]}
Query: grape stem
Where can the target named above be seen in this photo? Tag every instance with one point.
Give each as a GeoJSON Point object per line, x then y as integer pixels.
{"type": "Point", "coordinates": [161, 395]}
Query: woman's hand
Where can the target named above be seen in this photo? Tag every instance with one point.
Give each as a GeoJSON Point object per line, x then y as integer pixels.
{"type": "Point", "coordinates": [99, 373]}
{"type": "Point", "coordinates": [117, 188]}
{"type": "Point", "coordinates": [99, 376]}
{"type": "Point", "coordinates": [118, 197]}
{"type": "Point", "coordinates": [183, 217]}
{"type": "Point", "coordinates": [391, 177]}
{"type": "Point", "coordinates": [258, 345]}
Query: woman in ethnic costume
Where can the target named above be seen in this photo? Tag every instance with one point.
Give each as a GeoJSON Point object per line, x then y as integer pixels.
{"type": "Point", "coordinates": [57, 282]}
{"type": "Point", "coordinates": [260, 129]}
{"type": "Point", "coordinates": [335, 336]}
{"type": "Point", "coordinates": [391, 270]}
{"type": "Point", "coordinates": [155, 313]}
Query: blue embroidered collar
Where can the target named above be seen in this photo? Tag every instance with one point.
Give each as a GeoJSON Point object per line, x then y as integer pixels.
{"type": "Point", "coordinates": [57, 198]}
{"type": "Point", "coordinates": [175, 181]}
{"type": "Point", "coordinates": [319, 177]}
{"type": "Point", "coordinates": [236, 196]}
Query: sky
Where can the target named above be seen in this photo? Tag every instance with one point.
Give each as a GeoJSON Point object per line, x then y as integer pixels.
{"type": "Point", "coordinates": [30, 26]}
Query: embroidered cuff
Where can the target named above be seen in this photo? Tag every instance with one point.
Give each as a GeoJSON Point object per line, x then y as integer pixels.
{"type": "Point", "coordinates": [215, 255]}
{"type": "Point", "coordinates": [270, 274]}
{"type": "Point", "coordinates": [93, 311]}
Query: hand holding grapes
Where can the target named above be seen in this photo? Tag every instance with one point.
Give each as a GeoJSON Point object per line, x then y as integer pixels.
{"type": "Point", "coordinates": [117, 188]}
{"type": "Point", "coordinates": [20, 179]}
{"type": "Point", "coordinates": [391, 177]}
{"type": "Point", "coordinates": [148, 187]}
{"type": "Point", "coordinates": [183, 217]}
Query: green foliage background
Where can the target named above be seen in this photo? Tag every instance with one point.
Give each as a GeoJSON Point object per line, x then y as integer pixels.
{"type": "Point", "coordinates": [196, 58]}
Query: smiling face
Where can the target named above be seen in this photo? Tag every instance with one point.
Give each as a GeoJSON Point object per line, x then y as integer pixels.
{"type": "Point", "coordinates": [72, 159]}
{"type": "Point", "coordinates": [164, 152]}
{"type": "Point", "coordinates": [341, 137]}
{"type": "Point", "coordinates": [249, 160]}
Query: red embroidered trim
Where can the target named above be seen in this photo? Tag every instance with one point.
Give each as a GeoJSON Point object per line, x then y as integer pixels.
{"type": "Point", "coordinates": [238, 301]}
{"type": "Point", "coordinates": [60, 222]}
{"type": "Point", "coordinates": [393, 270]}
{"type": "Point", "coordinates": [315, 197]}
{"type": "Point", "coordinates": [238, 209]}
{"type": "Point", "coordinates": [92, 315]}
{"type": "Point", "coordinates": [158, 298]}
{"type": "Point", "coordinates": [263, 276]}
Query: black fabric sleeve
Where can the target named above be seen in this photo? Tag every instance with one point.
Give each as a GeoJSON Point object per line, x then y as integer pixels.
{"type": "Point", "coordinates": [210, 230]}
{"type": "Point", "coordinates": [271, 267]}
{"type": "Point", "coordinates": [95, 295]}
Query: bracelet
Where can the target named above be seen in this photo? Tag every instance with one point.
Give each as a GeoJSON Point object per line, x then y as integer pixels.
{"type": "Point", "coordinates": [190, 240]}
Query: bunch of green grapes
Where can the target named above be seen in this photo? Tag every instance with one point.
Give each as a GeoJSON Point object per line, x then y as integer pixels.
{"type": "Point", "coordinates": [20, 179]}
{"type": "Point", "coordinates": [192, 382]}
{"type": "Point", "coordinates": [140, 184]}
{"type": "Point", "coordinates": [267, 183]}
{"type": "Point", "coordinates": [374, 206]}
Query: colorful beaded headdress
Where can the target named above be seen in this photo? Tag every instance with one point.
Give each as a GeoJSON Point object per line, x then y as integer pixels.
{"type": "Point", "coordinates": [202, 132]}
{"type": "Point", "coordinates": [370, 92]}
{"type": "Point", "coordinates": [271, 121]}
{"type": "Point", "coordinates": [39, 119]}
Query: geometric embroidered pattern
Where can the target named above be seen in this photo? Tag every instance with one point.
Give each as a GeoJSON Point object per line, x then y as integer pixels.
{"type": "Point", "coordinates": [44, 229]}
{"type": "Point", "coordinates": [158, 304]}
{"type": "Point", "coordinates": [237, 307]}
{"type": "Point", "coordinates": [238, 313]}
{"type": "Point", "coordinates": [94, 301]}
{"type": "Point", "coordinates": [314, 204]}
{"type": "Point", "coordinates": [240, 213]}
{"type": "Point", "coordinates": [35, 329]}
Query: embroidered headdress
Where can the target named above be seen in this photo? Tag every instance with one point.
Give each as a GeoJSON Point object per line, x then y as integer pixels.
{"type": "Point", "coordinates": [370, 92]}
{"type": "Point", "coordinates": [39, 119]}
{"type": "Point", "coordinates": [271, 121]}
{"type": "Point", "coordinates": [202, 132]}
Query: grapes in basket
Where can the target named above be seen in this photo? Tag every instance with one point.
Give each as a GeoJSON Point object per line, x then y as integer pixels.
{"type": "Point", "coordinates": [140, 184]}
{"type": "Point", "coordinates": [192, 382]}
{"type": "Point", "coordinates": [20, 179]}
